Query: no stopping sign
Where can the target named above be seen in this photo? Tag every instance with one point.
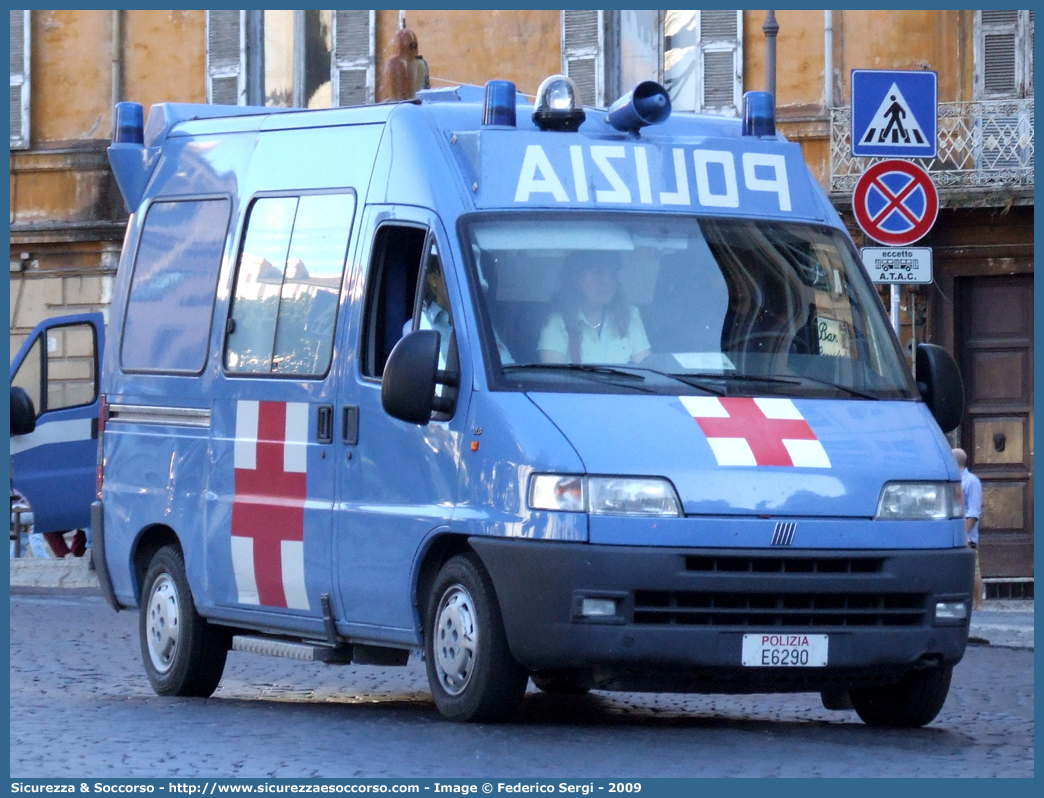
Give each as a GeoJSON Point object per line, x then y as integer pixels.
{"type": "Point", "coordinates": [895, 202]}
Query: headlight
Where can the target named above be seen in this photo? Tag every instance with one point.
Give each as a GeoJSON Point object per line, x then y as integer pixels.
{"type": "Point", "coordinates": [562, 492]}
{"type": "Point", "coordinates": [646, 496]}
{"type": "Point", "coordinates": [628, 496]}
{"type": "Point", "coordinates": [920, 501]}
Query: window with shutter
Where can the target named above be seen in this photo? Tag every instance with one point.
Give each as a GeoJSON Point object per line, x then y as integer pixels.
{"type": "Point", "coordinates": [300, 58]}
{"type": "Point", "coordinates": [720, 48]}
{"type": "Point", "coordinates": [680, 41]}
{"type": "Point", "coordinates": [703, 60]}
{"type": "Point", "coordinates": [352, 71]}
{"type": "Point", "coordinates": [315, 53]}
{"type": "Point", "coordinates": [641, 47]}
{"type": "Point", "coordinates": [20, 34]}
{"type": "Point", "coordinates": [1004, 70]}
{"type": "Point", "coordinates": [583, 53]}
{"type": "Point", "coordinates": [226, 56]}
{"type": "Point", "coordinates": [1004, 54]}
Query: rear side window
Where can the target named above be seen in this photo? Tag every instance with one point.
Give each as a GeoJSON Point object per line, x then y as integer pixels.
{"type": "Point", "coordinates": [167, 324]}
{"type": "Point", "coordinates": [288, 281]}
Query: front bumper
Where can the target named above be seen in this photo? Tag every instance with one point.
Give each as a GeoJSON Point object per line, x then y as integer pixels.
{"type": "Point", "coordinates": [682, 613]}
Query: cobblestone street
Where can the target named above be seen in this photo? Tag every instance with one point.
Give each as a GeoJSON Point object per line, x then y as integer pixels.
{"type": "Point", "coordinates": [81, 706]}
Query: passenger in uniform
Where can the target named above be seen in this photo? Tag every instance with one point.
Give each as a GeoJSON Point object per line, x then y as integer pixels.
{"type": "Point", "coordinates": [593, 323]}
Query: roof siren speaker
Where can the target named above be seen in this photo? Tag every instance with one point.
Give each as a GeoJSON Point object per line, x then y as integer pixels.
{"type": "Point", "coordinates": [648, 104]}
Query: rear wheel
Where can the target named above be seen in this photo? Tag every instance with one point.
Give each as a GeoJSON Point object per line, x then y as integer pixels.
{"type": "Point", "coordinates": [836, 698]}
{"type": "Point", "coordinates": [472, 674]}
{"type": "Point", "coordinates": [183, 654]}
{"type": "Point", "coordinates": [913, 702]}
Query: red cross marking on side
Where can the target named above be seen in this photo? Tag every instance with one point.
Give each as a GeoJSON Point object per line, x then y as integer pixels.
{"type": "Point", "coordinates": [765, 436]}
{"type": "Point", "coordinates": [268, 505]}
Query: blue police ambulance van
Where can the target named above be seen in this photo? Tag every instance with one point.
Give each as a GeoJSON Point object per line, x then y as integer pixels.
{"type": "Point", "coordinates": [601, 399]}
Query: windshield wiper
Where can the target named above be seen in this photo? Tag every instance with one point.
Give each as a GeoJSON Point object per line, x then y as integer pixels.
{"type": "Point", "coordinates": [582, 369]}
{"type": "Point", "coordinates": [616, 372]}
{"type": "Point", "coordinates": [700, 380]}
{"type": "Point", "coordinates": [704, 381]}
{"type": "Point", "coordinates": [796, 380]}
{"type": "Point", "coordinates": [845, 388]}
{"type": "Point", "coordinates": [626, 371]}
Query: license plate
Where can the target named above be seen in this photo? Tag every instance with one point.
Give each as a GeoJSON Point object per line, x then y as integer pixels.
{"type": "Point", "coordinates": [785, 651]}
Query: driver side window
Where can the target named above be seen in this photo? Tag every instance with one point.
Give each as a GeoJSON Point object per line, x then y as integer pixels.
{"type": "Point", "coordinates": [391, 293]}
{"type": "Point", "coordinates": [434, 312]}
{"type": "Point", "coordinates": [63, 374]}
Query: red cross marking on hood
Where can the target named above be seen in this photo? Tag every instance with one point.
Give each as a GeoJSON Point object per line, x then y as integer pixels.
{"type": "Point", "coordinates": [764, 435]}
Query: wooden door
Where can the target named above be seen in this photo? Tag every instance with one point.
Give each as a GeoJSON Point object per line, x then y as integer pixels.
{"type": "Point", "coordinates": [996, 350]}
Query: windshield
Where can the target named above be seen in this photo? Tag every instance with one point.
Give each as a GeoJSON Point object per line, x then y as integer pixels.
{"type": "Point", "coordinates": [679, 304]}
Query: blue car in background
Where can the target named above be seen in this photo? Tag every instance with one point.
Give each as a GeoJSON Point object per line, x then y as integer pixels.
{"type": "Point", "coordinates": [55, 377]}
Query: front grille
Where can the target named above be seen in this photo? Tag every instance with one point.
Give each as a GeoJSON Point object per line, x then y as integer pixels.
{"type": "Point", "coordinates": [784, 565]}
{"type": "Point", "coordinates": [678, 608]}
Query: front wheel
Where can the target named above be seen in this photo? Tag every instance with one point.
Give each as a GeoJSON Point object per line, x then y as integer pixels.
{"type": "Point", "coordinates": [183, 654]}
{"type": "Point", "coordinates": [913, 702]}
{"type": "Point", "coordinates": [472, 674]}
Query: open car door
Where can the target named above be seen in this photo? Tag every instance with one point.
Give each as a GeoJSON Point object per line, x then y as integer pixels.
{"type": "Point", "coordinates": [54, 465]}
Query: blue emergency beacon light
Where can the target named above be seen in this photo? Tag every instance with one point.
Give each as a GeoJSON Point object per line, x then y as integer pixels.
{"type": "Point", "coordinates": [130, 124]}
{"type": "Point", "coordinates": [499, 106]}
{"type": "Point", "coordinates": [759, 114]}
{"type": "Point", "coordinates": [131, 161]}
{"type": "Point", "coordinates": [648, 104]}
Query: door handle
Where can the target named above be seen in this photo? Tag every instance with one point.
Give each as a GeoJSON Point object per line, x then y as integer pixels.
{"type": "Point", "coordinates": [324, 424]}
{"type": "Point", "coordinates": [350, 425]}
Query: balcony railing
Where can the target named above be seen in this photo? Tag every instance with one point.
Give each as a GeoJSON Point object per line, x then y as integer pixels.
{"type": "Point", "coordinates": [984, 146]}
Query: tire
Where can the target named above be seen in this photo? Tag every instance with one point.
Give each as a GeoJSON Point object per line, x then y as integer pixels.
{"type": "Point", "coordinates": [472, 675]}
{"type": "Point", "coordinates": [560, 683]}
{"type": "Point", "coordinates": [836, 699]}
{"type": "Point", "coordinates": [910, 704]}
{"type": "Point", "coordinates": [183, 654]}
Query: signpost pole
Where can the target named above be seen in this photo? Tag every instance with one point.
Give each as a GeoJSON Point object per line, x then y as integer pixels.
{"type": "Point", "coordinates": [911, 306]}
{"type": "Point", "coordinates": [895, 307]}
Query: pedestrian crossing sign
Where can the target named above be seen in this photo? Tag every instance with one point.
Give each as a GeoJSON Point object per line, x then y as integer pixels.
{"type": "Point", "coordinates": [894, 113]}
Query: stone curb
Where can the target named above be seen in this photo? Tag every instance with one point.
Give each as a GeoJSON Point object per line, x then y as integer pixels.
{"type": "Point", "coordinates": [1006, 635]}
{"type": "Point", "coordinates": [69, 572]}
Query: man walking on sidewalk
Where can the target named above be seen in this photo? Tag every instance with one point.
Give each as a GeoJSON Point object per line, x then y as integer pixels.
{"type": "Point", "coordinates": [971, 487]}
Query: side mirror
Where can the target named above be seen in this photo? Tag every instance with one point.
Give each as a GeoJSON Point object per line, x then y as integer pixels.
{"type": "Point", "coordinates": [940, 383]}
{"type": "Point", "coordinates": [410, 377]}
{"type": "Point", "coordinates": [23, 414]}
